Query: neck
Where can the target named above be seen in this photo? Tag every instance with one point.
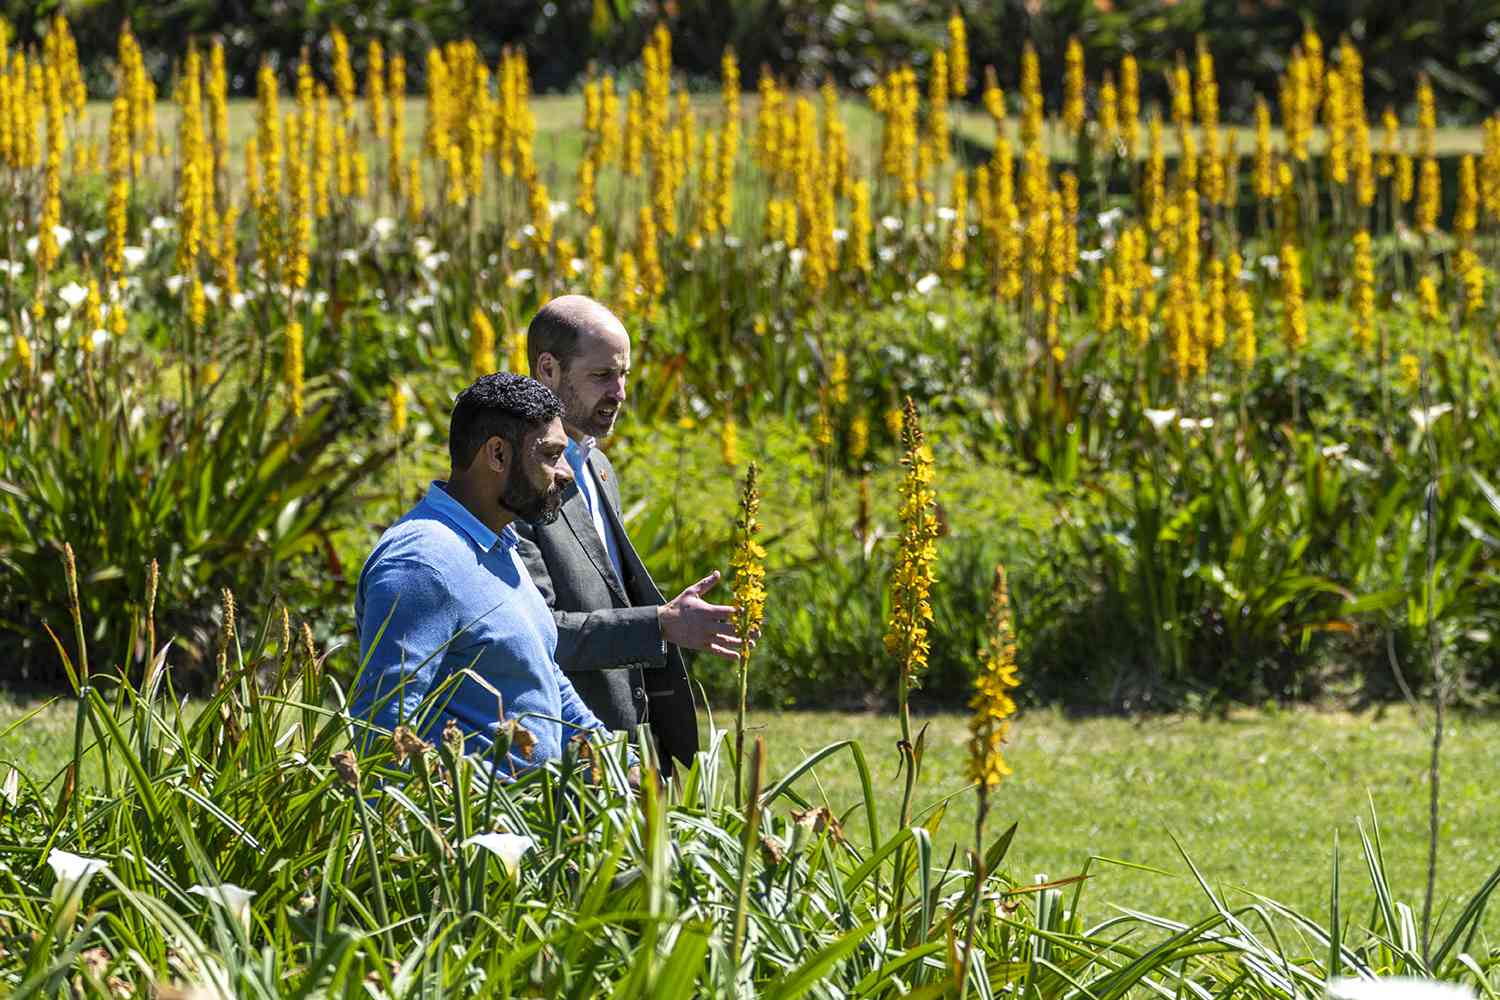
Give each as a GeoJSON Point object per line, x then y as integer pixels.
{"type": "Point", "coordinates": [574, 433]}
{"type": "Point", "coordinates": [483, 504]}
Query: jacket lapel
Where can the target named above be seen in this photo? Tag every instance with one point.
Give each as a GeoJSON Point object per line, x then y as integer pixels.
{"type": "Point", "coordinates": [630, 560]}
{"type": "Point", "coordinates": [575, 511]}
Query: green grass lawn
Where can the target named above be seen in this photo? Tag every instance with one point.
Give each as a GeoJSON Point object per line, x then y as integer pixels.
{"type": "Point", "coordinates": [1255, 801]}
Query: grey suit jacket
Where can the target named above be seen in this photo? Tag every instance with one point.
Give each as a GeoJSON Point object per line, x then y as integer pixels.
{"type": "Point", "coordinates": [608, 638]}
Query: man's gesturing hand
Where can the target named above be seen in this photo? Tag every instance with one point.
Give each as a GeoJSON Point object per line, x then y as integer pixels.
{"type": "Point", "coordinates": [689, 621]}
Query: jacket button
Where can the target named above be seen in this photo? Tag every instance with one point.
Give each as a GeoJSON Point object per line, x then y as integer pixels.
{"type": "Point", "coordinates": [640, 694]}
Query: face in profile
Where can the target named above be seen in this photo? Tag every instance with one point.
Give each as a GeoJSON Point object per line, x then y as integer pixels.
{"type": "Point", "coordinates": [535, 482]}
{"type": "Point", "coordinates": [591, 384]}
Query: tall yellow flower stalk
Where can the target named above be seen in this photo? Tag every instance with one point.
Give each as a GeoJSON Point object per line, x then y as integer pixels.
{"type": "Point", "coordinates": [749, 565]}
{"type": "Point", "coordinates": [292, 367]}
{"type": "Point", "coordinates": [911, 581]}
{"type": "Point", "coordinates": [396, 130]}
{"type": "Point", "coordinates": [1130, 106]}
{"type": "Point", "coordinates": [268, 147]}
{"type": "Point", "coordinates": [481, 342]}
{"type": "Point", "coordinates": [958, 55]}
{"type": "Point", "coordinates": [1294, 309]}
{"type": "Point", "coordinates": [116, 216]}
{"type": "Point", "coordinates": [992, 702]}
{"type": "Point", "coordinates": [1073, 87]}
{"type": "Point", "coordinates": [1364, 291]}
{"type": "Point", "coordinates": [989, 729]}
{"type": "Point", "coordinates": [1242, 309]}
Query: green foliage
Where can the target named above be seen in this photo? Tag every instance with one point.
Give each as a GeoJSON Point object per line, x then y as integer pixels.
{"type": "Point", "coordinates": [131, 461]}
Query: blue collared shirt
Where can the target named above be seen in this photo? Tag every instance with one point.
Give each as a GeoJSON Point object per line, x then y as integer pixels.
{"type": "Point", "coordinates": [577, 455]}
{"type": "Point", "coordinates": [442, 593]}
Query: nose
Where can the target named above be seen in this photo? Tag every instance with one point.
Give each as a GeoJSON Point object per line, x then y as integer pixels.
{"type": "Point", "coordinates": [617, 390]}
{"type": "Point", "coordinates": [562, 475]}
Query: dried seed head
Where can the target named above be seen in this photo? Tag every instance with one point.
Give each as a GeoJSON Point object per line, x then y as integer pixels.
{"type": "Point", "coordinates": [309, 648]}
{"type": "Point", "coordinates": [453, 738]}
{"type": "Point", "coordinates": [818, 819]}
{"type": "Point", "coordinates": [153, 579]}
{"type": "Point", "coordinates": [70, 568]}
{"type": "Point", "coordinates": [408, 744]}
{"type": "Point", "coordinates": [286, 633]}
{"type": "Point", "coordinates": [347, 767]}
{"type": "Point", "coordinates": [229, 633]}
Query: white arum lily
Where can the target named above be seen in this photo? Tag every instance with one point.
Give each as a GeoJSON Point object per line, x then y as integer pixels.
{"type": "Point", "coordinates": [1397, 988]}
{"type": "Point", "coordinates": [383, 228]}
{"type": "Point", "coordinates": [73, 873]}
{"type": "Point", "coordinates": [230, 896]}
{"type": "Point", "coordinates": [1426, 418]}
{"type": "Point", "coordinates": [73, 294]}
{"type": "Point", "coordinates": [508, 847]}
{"type": "Point", "coordinates": [134, 256]}
{"type": "Point", "coordinates": [926, 283]}
{"type": "Point", "coordinates": [1160, 419]}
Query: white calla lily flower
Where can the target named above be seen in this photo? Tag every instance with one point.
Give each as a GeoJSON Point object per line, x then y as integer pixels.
{"type": "Point", "coordinates": [70, 867]}
{"type": "Point", "coordinates": [73, 294]}
{"type": "Point", "coordinates": [508, 847]}
{"type": "Point", "coordinates": [1160, 419]}
{"type": "Point", "coordinates": [927, 283]}
{"type": "Point", "coordinates": [230, 896]}
{"type": "Point", "coordinates": [1426, 418]}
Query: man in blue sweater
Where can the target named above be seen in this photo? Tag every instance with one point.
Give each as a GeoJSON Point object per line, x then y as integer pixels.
{"type": "Point", "coordinates": [450, 625]}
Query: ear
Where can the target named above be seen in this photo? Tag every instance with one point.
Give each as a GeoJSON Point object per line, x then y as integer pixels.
{"type": "Point", "coordinates": [496, 454]}
{"type": "Point", "coordinates": [548, 369]}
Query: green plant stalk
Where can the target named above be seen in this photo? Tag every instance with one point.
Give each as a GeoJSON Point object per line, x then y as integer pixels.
{"type": "Point", "coordinates": [739, 726]}
{"type": "Point", "coordinates": [747, 852]}
{"type": "Point", "coordinates": [966, 957]}
{"type": "Point", "coordinates": [363, 809]}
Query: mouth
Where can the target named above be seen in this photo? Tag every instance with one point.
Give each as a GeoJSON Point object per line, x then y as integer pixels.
{"type": "Point", "coordinates": [607, 412]}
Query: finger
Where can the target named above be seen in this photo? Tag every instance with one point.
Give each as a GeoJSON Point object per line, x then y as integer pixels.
{"type": "Point", "coordinates": [719, 610]}
{"type": "Point", "coordinates": [727, 639]}
{"type": "Point", "coordinates": [706, 584]}
{"type": "Point", "coordinates": [722, 653]}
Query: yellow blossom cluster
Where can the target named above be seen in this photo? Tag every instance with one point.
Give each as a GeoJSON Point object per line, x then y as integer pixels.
{"type": "Point", "coordinates": [914, 574]}
{"type": "Point", "coordinates": [992, 703]}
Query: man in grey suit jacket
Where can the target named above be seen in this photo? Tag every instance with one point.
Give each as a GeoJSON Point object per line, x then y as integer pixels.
{"type": "Point", "coordinates": [618, 639]}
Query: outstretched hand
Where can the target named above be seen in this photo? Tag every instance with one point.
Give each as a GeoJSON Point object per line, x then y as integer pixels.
{"type": "Point", "coordinates": [689, 621]}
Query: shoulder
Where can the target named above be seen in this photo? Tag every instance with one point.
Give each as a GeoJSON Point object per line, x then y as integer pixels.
{"type": "Point", "coordinates": [419, 543]}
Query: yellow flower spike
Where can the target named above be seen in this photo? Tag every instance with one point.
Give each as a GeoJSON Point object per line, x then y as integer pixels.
{"type": "Point", "coordinates": [398, 408]}
{"type": "Point", "coordinates": [1429, 196]}
{"type": "Point", "coordinates": [626, 291]}
{"type": "Point", "coordinates": [1428, 306]}
{"type": "Point", "coordinates": [992, 703]}
{"type": "Point", "coordinates": [958, 55]}
{"type": "Point", "coordinates": [1364, 291]}
{"type": "Point", "coordinates": [481, 342]}
{"type": "Point", "coordinates": [1073, 87]}
{"type": "Point", "coordinates": [1410, 368]}
{"type": "Point", "coordinates": [1130, 105]}
{"type": "Point", "coordinates": [292, 367]}
{"type": "Point", "coordinates": [1294, 314]}
{"type": "Point", "coordinates": [913, 576]}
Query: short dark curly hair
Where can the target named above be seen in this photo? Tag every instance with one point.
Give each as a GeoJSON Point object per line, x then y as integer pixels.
{"type": "Point", "coordinates": [504, 405]}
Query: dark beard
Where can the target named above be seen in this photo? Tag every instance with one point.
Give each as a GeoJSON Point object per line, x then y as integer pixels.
{"type": "Point", "coordinates": [531, 504]}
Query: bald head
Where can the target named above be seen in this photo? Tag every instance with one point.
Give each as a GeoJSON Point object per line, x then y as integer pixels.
{"type": "Point", "coordinates": [558, 327]}
{"type": "Point", "coordinates": [580, 350]}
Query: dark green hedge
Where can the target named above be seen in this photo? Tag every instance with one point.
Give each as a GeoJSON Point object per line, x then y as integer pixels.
{"type": "Point", "coordinates": [808, 40]}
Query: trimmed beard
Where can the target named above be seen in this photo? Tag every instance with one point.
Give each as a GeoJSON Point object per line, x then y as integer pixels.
{"type": "Point", "coordinates": [528, 503]}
